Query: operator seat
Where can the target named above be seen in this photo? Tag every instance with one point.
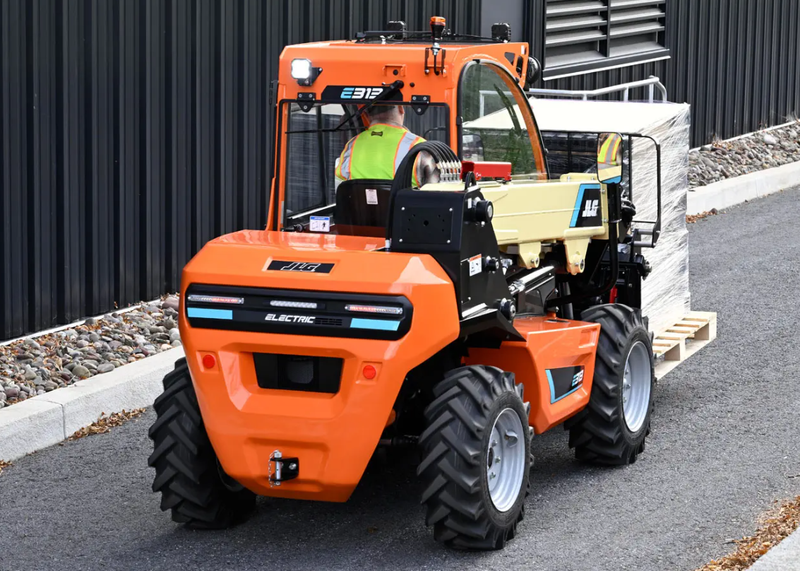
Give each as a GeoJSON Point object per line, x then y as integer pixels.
{"type": "Point", "coordinates": [362, 207]}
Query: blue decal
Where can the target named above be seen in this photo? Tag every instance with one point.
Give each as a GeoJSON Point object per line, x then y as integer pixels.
{"type": "Point", "coordinates": [553, 398]}
{"type": "Point", "coordinates": [575, 212]}
{"type": "Point", "coordinates": [347, 93]}
{"type": "Point", "coordinates": [203, 313]}
{"type": "Point", "coordinates": [579, 203]}
{"type": "Point", "coordinates": [615, 180]}
{"type": "Point", "coordinates": [379, 324]}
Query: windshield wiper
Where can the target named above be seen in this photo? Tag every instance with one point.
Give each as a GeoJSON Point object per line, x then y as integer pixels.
{"type": "Point", "coordinates": [390, 90]}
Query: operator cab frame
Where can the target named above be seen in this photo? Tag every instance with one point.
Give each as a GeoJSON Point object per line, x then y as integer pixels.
{"type": "Point", "coordinates": [435, 92]}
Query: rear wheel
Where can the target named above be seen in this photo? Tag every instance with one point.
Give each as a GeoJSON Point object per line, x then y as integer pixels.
{"type": "Point", "coordinates": [190, 480]}
{"type": "Point", "coordinates": [613, 427]}
{"type": "Point", "coordinates": [476, 458]}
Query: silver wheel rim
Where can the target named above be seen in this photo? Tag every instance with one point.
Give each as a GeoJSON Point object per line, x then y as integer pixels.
{"type": "Point", "coordinates": [505, 460]}
{"type": "Point", "coordinates": [636, 383]}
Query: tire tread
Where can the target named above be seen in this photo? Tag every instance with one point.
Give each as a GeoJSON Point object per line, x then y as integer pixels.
{"type": "Point", "coordinates": [450, 469]}
{"type": "Point", "coordinates": [187, 474]}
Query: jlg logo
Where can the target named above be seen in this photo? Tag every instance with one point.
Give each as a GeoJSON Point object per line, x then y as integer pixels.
{"type": "Point", "coordinates": [300, 267]}
{"type": "Point", "coordinates": [361, 92]}
{"type": "Point", "coordinates": [591, 208]}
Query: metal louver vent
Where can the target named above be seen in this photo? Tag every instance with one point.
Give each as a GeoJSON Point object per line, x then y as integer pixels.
{"type": "Point", "coordinates": [590, 33]}
{"type": "Point", "coordinates": [577, 31]}
{"type": "Point", "coordinates": [637, 26]}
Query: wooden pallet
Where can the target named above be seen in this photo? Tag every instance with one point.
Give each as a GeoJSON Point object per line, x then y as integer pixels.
{"type": "Point", "coordinates": [679, 342]}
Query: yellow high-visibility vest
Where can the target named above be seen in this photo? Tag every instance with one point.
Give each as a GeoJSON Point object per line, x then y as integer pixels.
{"type": "Point", "coordinates": [376, 153]}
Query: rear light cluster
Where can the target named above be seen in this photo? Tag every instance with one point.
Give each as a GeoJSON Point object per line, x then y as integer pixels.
{"type": "Point", "coordinates": [318, 313]}
{"type": "Point", "coordinates": [215, 299]}
{"type": "Point", "coordinates": [374, 309]}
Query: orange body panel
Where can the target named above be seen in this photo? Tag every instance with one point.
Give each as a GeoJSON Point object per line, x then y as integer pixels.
{"type": "Point", "coordinates": [549, 344]}
{"type": "Point", "coordinates": [334, 436]}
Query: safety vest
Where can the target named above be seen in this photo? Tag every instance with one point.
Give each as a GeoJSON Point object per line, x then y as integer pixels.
{"type": "Point", "coordinates": [376, 153]}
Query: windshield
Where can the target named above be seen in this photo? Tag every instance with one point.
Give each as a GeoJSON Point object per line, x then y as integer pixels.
{"type": "Point", "coordinates": [314, 149]}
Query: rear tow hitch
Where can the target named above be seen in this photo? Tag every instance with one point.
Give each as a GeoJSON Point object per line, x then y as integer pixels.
{"type": "Point", "coordinates": [282, 469]}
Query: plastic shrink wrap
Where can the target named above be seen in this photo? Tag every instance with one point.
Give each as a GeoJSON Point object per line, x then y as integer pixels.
{"type": "Point", "coordinates": [565, 124]}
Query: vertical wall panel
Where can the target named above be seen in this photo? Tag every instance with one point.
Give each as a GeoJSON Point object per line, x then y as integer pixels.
{"type": "Point", "coordinates": [134, 131]}
{"type": "Point", "coordinates": [14, 163]}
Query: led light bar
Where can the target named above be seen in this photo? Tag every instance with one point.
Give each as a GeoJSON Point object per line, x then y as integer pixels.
{"type": "Point", "coordinates": [377, 309]}
{"type": "Point", "coordinates": [215, 299]}
{"type": "Point", "coordinates": [294, 304]}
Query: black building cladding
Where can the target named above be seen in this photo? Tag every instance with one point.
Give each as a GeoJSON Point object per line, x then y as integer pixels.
{"type": "Point", "coordinates": [133, 131]}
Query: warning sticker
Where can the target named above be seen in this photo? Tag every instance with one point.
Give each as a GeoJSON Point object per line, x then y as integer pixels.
{"type": "Point", "coordinates": [372, 196]}
{"type": "Point", "coordinates": [320, 224]}
{"type": "Point", "coordinates": [475, 265]}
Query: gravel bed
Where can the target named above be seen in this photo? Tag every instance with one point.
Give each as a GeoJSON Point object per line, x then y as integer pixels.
{"type": "Point", "coordinates": [31, 367]}
{"type": "Point", "coordinates": [758, 151]}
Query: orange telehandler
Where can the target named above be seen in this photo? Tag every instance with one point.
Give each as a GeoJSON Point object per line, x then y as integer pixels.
{"type": "Point", "coordinates": [463, 316]}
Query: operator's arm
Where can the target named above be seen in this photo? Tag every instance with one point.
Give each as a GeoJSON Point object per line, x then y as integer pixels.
{"type": "Point", "coordinates": [342, 165]}
{"type": "Point", "coordinates": [425, 169]}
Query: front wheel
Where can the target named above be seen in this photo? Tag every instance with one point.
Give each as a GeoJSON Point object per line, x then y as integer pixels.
{"type": "Point", "coordinates": [476, 458]}
{"type": "Point", "coordinates": [613, 427]}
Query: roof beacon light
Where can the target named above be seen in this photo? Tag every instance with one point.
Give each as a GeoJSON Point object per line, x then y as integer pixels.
{"type": "Point", "coordinates": [378, 309]}
{"type": "Point", "coordinates": [294, 304]}
{"type": "Point", "coordinates": [438, 24]}
{"type": "Point", "coordinates": [301, 69]}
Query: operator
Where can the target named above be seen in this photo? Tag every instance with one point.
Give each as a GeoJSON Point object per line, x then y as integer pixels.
{"type": "Point", "coordinates": [377, 152]}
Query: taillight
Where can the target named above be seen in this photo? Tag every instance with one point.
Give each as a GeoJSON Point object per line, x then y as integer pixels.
{"type": "Point", "coordinates": [374, 309]}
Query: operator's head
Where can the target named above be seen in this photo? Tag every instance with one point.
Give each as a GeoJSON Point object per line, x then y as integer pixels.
{"type": "Point", "coordinates": [391, 114]}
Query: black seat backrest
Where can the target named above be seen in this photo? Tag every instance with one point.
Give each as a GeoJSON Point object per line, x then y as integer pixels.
{"type": "Point", "coordinates": [362, 202]}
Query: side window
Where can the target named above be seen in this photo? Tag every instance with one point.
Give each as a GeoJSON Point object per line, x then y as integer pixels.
{"type": "Point", "coordinates": [495, 126]}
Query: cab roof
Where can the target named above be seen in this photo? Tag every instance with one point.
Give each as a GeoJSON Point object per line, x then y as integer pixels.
{"type": "Point", "coordinates": [369, 63]}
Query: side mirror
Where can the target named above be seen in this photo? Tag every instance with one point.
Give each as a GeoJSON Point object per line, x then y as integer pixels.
{"type": "Point", "coordinates": [534, 71]}
{"type": "Point", "coordinates": [471, 147]}
{"type": "Point", "coordinates": [609, 158]}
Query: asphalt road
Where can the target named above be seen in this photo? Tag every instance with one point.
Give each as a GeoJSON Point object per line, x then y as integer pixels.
{"type": "Point", "coordinates": [724, 447]}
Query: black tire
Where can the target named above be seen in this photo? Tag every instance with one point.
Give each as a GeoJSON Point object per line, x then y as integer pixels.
{"type": "Point", "coordinates": [187, 472]}
{"type": "Point", "coordinates": [599, 433]}
{"type": "Point", "coordinates": [454, 448]}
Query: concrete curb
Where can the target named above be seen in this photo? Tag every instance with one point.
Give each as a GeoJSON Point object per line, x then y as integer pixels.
{"type": "Point", "coordinates": [736, 190]}
{"type": "Point", "coordinates": [783, 557]}
{"type": "Point", "coordinates": [48, 419]}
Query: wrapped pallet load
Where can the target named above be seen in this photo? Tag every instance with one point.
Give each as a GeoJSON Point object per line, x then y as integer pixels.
{"type": "Point", "coordinates": [570, 128]}
{"type": "Point", "coordinates": [566, 127]}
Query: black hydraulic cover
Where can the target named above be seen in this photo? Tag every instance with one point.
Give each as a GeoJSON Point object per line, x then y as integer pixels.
{"type": "Point", "coordinates": [448, 225]}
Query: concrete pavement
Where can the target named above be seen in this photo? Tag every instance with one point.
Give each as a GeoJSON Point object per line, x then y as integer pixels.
{"type": "Point", "coordinates": [723, 448]}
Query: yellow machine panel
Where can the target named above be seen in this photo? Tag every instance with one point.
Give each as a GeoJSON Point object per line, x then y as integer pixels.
{"type": "Point", "coordinates": [529, 213]}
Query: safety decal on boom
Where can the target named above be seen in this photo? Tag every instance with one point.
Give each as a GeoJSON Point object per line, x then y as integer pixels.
{"type": "Point", "coordinates": [564, 381]}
